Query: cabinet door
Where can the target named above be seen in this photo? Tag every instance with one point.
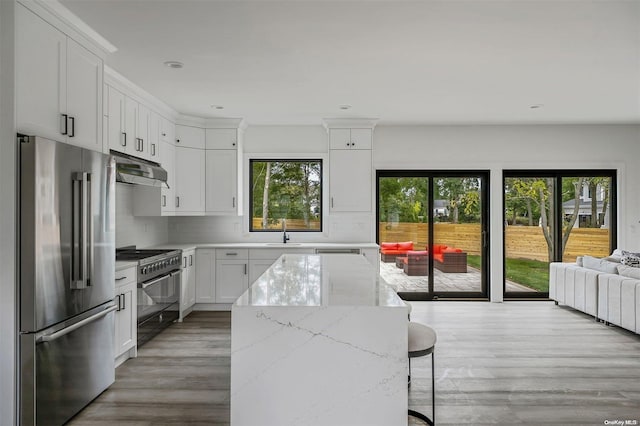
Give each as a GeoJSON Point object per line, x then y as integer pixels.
{"type": "Point", "coordinates": [190, 177]}
{"type": "Point", "coordinates": [167, 160]}
{"type": "Point", "coordinates": [205, 276]}
{"type": "Point", "coordinates": [188, 280]}
{"type": "Point", "coordinates": [131, 126]}
{"type": "Point", "coordinates": [116, 139]}
{"type": "Point", "coordinates": [142, 133]}
{"type": "Point", "coordinates": [84, 97]}
{"type": "Point", "coordinates": [257, 268]}
{"type": "Point", "coordinates": [339, 139]}
{"type": "Point", "coordinates": [167, 131]}
{"type": "Point", "coordinates": [40, 66]}
{"type": "Point", "coordinates": [350, 180]}
{"type": "Point", "coordinates": [232, 280]}
{"type": "Point", "coordinates": [153, 153]}
{"type": "Point", "coordinates": [126, 319]}
{"type": "Point", "coordinates": [191, 282]}
{"type": "Point", "coordinates": [221, 138]}
{"type": "Point", "coordinates": [361, 138]}
{"type": "Point", "coordinates": [221, 186]}
{"type": "Point", "coordinates": [191, 137]}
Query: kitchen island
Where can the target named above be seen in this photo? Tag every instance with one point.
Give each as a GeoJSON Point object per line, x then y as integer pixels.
{"type": "Point", "coordinates": [319, 340]}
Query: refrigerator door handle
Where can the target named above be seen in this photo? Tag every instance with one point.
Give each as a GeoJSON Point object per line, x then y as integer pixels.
{"type": "Point", "coordinates": [54, 336]}
{"type": "Point", "coordinates": [79, 262]}
{"type": "Point", "coordinates": [90, 242]}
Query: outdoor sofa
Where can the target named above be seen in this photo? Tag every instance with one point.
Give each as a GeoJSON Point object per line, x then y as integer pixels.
{"type": "Point", "coordinates": [446, 259]}
{"type": "Point", "coordinates": [389, 251]}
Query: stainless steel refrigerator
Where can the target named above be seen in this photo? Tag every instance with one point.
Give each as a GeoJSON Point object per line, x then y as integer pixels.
{"type": "Point", "coordinates": [67, 268]}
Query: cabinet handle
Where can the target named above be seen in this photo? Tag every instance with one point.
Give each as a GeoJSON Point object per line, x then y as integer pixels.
{"type": "Point", "coordinates": [190, 260]}
{"type": "Point", "coordinates": [233, 144]}
{"type": "Point", "coordinates": [118, 297]}
{"type": "Point", "coordinates": [124, 302]}
{"type": "Point", "coordinates": [121, 278]}
{"type": "Point", "coordinates": [73, 127]}
{"type": "Point", "coordinates": [153, 149]}
{"type": "Point", "coordinates": [63, 123]}
{"type": "Point", "coordinates": [184, 261]}
{"type": "Point", "coordinates": [177, 140]}
{"type": "Point", "coordinates": [348, 144]}
{"type": "Point", "coordinates": [177, 201]}
{"type": "Point", "coordinates": [231, 254]}
{"type": "Point", "coordinates": [353, 144]}
{"type": "Point", "coordinates": [331, 202]}
{"type": "Point", "coordinates": [245, 269]}
{"type": "Point", "coordinates": [164, 201]}
{"type": "Point", "coordinates": [123, 139]}
{"type": "Point", "coordinates": [233, 202]}
{"type": "Point", "coordinates": [164, 134]}
{"type": "Point", "coordinates": [141, 145]}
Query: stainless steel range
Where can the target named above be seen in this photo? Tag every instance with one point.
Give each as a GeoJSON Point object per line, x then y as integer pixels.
{"type": "Point", "coordinates": [158, 288]}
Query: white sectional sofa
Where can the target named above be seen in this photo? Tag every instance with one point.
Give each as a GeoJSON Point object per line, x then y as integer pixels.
{"type": "Point", "coordinates": [611, 298]}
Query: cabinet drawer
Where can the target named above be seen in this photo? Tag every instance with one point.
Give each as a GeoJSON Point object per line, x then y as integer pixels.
{"type": "Point", "coordinates": [231, 254]}
{"type": "Point", "coordinates": [126, 276]}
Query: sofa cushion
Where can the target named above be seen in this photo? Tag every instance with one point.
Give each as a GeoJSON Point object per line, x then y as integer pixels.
{"type": "Point", "coordinates": [629, 271]}
{"type": "Point", "coordinates": [601, 265]}
{"type": "Point", "coordinates": [385, 251]}
{"type": "Point", "coordinates": [438, 248]}
{"type": "Point", "coordinates": [389, 246]}
{"type": "Point", "coordinates": [630, 259]}
{"type": "Point", "coordinates": [452, 250]}
{"type": "Point", "coordinates": [417, 253]}
{"type": "Point", "coordinates": [405, 246]}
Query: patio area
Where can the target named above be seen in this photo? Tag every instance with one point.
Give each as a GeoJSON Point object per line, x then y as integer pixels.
{"type": "Point", "coordinates": [469, 281]}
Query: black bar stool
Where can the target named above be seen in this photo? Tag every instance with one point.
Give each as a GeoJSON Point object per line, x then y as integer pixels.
{"type": "Point", "coordinates": [422, 342]}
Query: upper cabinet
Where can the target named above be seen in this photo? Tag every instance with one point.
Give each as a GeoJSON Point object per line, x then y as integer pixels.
{"type": "Point", "coordinates": [58, 84]}
{"type": "Point", "coordinates": [167, 131]}
{"type": "Point", "coordinates": [223, 171]}
{"type": "Point", "coordinates": [350, 138]}
{"type": "Point", "coordinates": [190, 137]}
{"type": "Point", "coordinates": [222, 138]}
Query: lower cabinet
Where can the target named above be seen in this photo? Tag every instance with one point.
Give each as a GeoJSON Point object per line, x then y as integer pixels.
{"type": "Point", "coordinates": [188, 282]}
{"type": "Point", "coordinates": [232, 279]}
{"type": "Point", "coordinates": [126, 319]}
{"type": "Point", "coordinates": [206, 276]}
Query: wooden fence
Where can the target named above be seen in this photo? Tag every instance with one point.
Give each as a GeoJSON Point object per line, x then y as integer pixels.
{"type": "Point", "coordinates": [291, 224]}
{"type": "Point", "coordinates": [521, 242]}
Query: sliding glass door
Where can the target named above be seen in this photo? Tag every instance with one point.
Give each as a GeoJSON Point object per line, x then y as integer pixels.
{"type": "Point", "coordinates": [553, 216]}
{"type": "Point", "coordinates": [432, 228]}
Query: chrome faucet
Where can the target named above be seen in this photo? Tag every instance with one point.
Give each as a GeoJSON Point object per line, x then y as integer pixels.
{"type": "Point", "coordinates": [285, 237]}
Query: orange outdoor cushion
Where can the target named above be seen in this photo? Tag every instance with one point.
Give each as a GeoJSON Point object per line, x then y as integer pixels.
{"type": "Point", "coordinates": [439, 257]}
{"type": "Point", "coordinates": [383, 251]}
{"type": "Point", "coordinates": [452, 250]}
{"type": "Point", "coordinates": [438, 248]}
{"type": "Point", "coordinates": [406, 245]}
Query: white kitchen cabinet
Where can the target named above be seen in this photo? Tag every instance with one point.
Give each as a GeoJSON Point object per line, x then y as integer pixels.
{"type": "Point", "coordinates": [232, 274]}
{"type": "Point", "coordinates": [190, 181]}
{"type": "Point", "coordinates": [116, 131]}
{"type": "Point", "coordinates": [221, 174]}
{"type": "Point", "coordinates": [153, 201]}
{"type": "Point", "coordinates": [58, 84]}
{"type": "Point", "coordinates": [206, 276]}
{"type": "Point", "coordinates": [137, 119]}
{"type": "Point", "coordinates": [190, 137]}
{"type": "Point", "coordinates": [257, 268]}
{"type": "Point", "coordinates": [167, 131]}
{"type": "Point", "coordinates": [350, 180]}
{"type": "Point", "coordinates": [350, 138]}
{"type": "Point", "coordinates": [188, 282]}
{"type": "Point", "coordinates": [221, 138]}
{"type": "Point", "coordinates": [126, 315]}
{"type": "Point", "coordinates": [154, 146]}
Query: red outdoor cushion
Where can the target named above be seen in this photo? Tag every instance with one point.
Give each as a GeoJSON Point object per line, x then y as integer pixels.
{"type": "Point", "coordinates": [405, 246]}
{"type": "Point", "coordinates": [383, 251]}
{"type": "Point", "coordinates": [452, 250]}
{"type": "Point", "coordinates": [438, 257]}
{"type": "Point", "coordinates": [438, 248]}
{"type": "Point", "coordinates": [417, 253]}
{"type": "Point", "coordinates": [389, 246]}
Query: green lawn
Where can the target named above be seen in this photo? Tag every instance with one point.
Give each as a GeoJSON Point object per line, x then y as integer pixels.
{"type": "Point", "coordinates": [531, 273]}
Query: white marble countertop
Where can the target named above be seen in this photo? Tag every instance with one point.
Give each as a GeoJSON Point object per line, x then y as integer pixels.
{"type": "Point", "coordinates": [272, 245]}
{"type": "Point", "coordinates": [320, 280]}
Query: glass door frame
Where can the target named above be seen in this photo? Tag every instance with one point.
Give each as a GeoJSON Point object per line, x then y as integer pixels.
{"type": "Point", "coordinates": [557, 237]}
{"type": "Point", "coordinates": [431, 294]}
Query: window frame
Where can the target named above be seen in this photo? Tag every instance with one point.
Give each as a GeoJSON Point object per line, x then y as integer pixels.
{"type": "Point", "coordinates": [296, 159]}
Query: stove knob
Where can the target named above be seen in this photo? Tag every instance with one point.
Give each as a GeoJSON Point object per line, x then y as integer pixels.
{"type": "Point", "coordinates": [144, 270]}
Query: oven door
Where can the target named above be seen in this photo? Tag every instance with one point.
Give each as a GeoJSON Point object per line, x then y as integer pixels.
{"type": "Point", "coordinates": [158, 295]}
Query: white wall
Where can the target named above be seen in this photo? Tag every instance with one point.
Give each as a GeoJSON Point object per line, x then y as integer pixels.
{"type": "Point", "coordinates": [496, 148]}
{"type": "Point", "coordinates": [8, 160]}
{"type": "Point", "coordinates": [138, 231]}
{"type": "Point", "coordinates": [277, 142]}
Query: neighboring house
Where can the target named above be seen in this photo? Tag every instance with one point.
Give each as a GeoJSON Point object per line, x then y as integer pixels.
{"type": "Point", "coordinates": [440, 208]}
{"type": "Point", "coordinates": [584, 210]}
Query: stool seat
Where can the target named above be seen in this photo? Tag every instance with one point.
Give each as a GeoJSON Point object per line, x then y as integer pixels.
{"type": "Point", "coordinates": [422, 340]}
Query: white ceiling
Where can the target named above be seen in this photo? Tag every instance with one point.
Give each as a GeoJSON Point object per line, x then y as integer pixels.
{"type": "Point", "coordinates": [421, 62]}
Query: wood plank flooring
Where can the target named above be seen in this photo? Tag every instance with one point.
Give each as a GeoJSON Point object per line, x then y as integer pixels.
{"type": "Point", "coordinates": [514, 363]}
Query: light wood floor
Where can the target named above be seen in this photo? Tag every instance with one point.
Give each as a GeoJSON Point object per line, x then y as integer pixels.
{"type": "Point", "coordinates": [511, 363]}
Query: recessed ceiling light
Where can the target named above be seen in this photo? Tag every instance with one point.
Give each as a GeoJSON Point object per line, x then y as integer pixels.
{"type": "Point", "coordinates": [217, 106]}
{"type": "Point", "coordinates": [536, 106]}
{"type": "Point", "coordinates": [345, 106]}
{"type": "Point", "coordinates": [174, 64]}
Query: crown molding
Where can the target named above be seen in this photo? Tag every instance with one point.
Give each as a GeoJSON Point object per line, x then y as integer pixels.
{"type": "Point", "coordinates": [212, 123]}
{"type": "Point", "coordinates": [349, 123]}
{"type": "Point", "coordinates": [118, 81]}
{"type": "Point", "coordinates": [69, 23]}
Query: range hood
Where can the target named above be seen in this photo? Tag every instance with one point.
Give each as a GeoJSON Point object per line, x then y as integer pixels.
{"type": "Point", "coordinates": [136, 171]}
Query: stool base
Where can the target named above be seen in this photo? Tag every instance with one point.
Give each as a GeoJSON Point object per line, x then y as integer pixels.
{"type": "Point", "coordinates": [421, 416]}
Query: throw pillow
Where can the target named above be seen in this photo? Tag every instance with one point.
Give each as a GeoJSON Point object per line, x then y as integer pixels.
{"type": "Point", "coordinates": [629, 271]}
{"type": "Point", "coordinates": [630, 259]}
{"type": "Point", "coordinates": [601, 265]}
{"type": "Point", "coordinates": [617, 253]}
